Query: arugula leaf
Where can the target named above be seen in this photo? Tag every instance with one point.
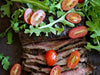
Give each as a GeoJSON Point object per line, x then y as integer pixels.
{"type": "Point", "coordinates": [9, 37]}
{"type": "Point", "coordinates": [36, 3]}
{"type": "Point", "coordinates": [91, 8]}
{"type": "Point", "coordinates": [6, 9]}
{"type": "Point", "coordinates": [5, 63]}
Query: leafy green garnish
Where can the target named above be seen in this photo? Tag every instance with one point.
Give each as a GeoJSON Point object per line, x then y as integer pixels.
{"type": "Point", "coordinates": [91, 8]}
{"type": "Point", "coordinates": [6, 9]}
{"type": "Point", "coordinates": [46, 28]}
{"type": "Point", "coordinates": [4, 61]}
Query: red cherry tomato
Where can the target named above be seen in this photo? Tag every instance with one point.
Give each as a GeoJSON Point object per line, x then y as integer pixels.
{"type": "Point", "coordinates": [37, 17]}
{"type": "Point", "coordinates": [81, 1]}
{"type": "Point", "coordinates": [16, 69]}
{"type": "Point", "coordinates": [73, 18]}
{"type": "Point", "coordinates": [27, 15]}
{"type": "Point", "coordinates": [56, 70]}
{"type": "Point", "coordinates": [51, 57]}
{"type": "Point", "coordinates": [73, 59]}
{"type": "Point", "coordinates": [68, 4]}
{"type": "Point", "coordinates": [78, 32]}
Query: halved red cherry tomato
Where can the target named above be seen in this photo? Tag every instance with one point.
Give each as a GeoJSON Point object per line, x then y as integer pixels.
{"type": "Point", "coordinates": [16, 69]}
{"type": "Point", "coordinates": [51, 57]}
{"type": "Point", "coordinates": [73, 18]}
{"type": "Point", "coordinates": [27, 15]}
{"type": "Point", "coordinates": [78, 32]}
{"type": "Point", "coordinates": [37, 17]}
{"type": "Point", "coordinates": [81, 1]}
{"type": "Point", "coordinates": [68, 4]}
{"type": "Point", "coordinates": [56, 70]}
{"type": "Point", "coordinates": [73, 59]}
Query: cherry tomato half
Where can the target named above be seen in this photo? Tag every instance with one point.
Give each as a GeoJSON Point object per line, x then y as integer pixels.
{"type": "Point", "coordinates": [80, 1]}
{"type": "Point", "coordinates": [56, 70]}
{"type": "Point", "coordinates": [78, 32]}
{"type": "Point", "coordinates": [37, 17]}
{"type": "Point", "coordinates": [16, 69]}
{"type": "Point", "coordinates": [68, 4]}
{"type": "Point", "coordinates": [73, 59]}
{"type": "Point", "coordinates": [27, 15]}
{"type": "Point", "coordinates": [51, 57]}
{"type": "Point", "coordinates": [73, 18]}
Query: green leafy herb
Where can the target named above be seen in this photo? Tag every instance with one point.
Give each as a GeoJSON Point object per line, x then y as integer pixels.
{"type": "Point", "coordinates": [6, 9]}
{"type": "Point", "coordinates": [9, 37]}
{"type": "Point", "coordinates": [5, 63]}
{"type": "Point", "coordinates": [91, 8]}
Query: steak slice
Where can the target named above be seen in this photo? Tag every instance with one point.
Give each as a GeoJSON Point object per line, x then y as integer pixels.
{"type": "Point", "coordinates": [55, 45]}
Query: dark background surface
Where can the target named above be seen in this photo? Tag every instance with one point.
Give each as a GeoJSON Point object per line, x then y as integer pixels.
{"type": "Point", "coordinates": [14, 50]}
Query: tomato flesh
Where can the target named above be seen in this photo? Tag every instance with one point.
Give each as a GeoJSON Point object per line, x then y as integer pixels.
{"type": "Point", "coordinates": [27, 15]}
{"type": "Point", "coordinates": [51, 57]}
{"type": "Point", "coordinates": [16, 69]}
{"type": "Point", "coordinates": [81, 1]}
{"type": "Point", "coordinates": [37, 17]}
{"type": "Point", "coordinates": [68, 4]}
{"type": "Point", "coordinates": [73, 18]}
{"type": "Point", "coordinates": [73, 59]}
{"type": "Point", "coordinates": [56, 70]}
{"type": "Point", "coordinates": [78, 32]}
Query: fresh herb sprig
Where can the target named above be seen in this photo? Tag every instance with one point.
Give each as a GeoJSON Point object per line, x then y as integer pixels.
{"type": "Point", "coordinates": [4, 61]}
{"type": "Point", "coordinates": [91, 9]}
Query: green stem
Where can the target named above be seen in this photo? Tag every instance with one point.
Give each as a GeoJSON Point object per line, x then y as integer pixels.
{"type": "Point", "coordinates": [59, 20]}
{"type": "Point", "coordinates": [37, 3]}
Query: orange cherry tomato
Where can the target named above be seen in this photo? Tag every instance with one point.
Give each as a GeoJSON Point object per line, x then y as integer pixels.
{"type": "Point", "coordinates": [73, 59]}
{"type": "Point", "coordinates": [73, 18]}
{"type": "Point", "coordinates": [27, 15]}
{"type": "Point", "coordinates": [51, 57]}
{"type": "Point", "coordinates": [37, 17]}
{"type": "Point", "coordinates": [16, 69]}
{"type": "Point", "coordinates": [68, 4]}
{"type": "Point", "coordinates": [78, 32]}
{"type": "Point", "coordinates": [56, 70]}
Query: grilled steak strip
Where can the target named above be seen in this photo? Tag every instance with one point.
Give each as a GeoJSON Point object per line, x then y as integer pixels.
{"type": "Point", "coordinates": [79, 71]}
{"type": "Point", "coordinates": [60, 55]}
{"type": "Point", "coordinates": [55, 45]}
{"type": "Point", "coordinates": [73, 46]}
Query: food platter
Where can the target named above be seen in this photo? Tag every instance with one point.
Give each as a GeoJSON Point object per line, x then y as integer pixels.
{"type": "Point", "coordinates": [14, 51]}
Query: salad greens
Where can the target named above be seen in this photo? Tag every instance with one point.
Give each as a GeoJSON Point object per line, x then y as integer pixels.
{"type": "Point", "coordinates": [50, 6]}
{"type": "Point", "coordinates": [4, 61]}
{"type": "Point", "coordinates": [91, 8]}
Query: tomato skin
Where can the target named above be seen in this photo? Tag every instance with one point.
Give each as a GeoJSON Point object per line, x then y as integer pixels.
{"type": "Point", "coordinates": [51, 57]}
{"type": "Point", "coordinates": [80, 1]}
{"type": "Point", "coordinates": [68, 4]}
{"type": "Point", "coordinates": [27, 15]}
{"type": "Point", "coordinates": [56, 70]}
{"type": "Point", "coordinates": [78, 32]}
{"type": "Point", "coordinates": [73, 18]}
{"type": "Point", "coordinates": [73, 59]}
{"type": "Point", "coordinates": [37, 17]}
{"type": "Point", "coordinates": [16, 69]}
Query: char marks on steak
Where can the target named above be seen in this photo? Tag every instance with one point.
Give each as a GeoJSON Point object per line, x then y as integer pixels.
{"type": "Point", "coordinates": [34, 56]}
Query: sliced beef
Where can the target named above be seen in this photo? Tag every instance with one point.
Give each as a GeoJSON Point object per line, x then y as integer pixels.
{"type": "Point", "coordinates": [55, 45]}
{"type": "Point", "coordinates": [60, 55]}
{"type": "Point", "coordinates": [80, 71]}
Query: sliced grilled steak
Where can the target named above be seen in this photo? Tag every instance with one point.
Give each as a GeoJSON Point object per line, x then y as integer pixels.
{"type": "Point", "coordinates": [60, 55]}
{"type": "Point", "coordinates": [55, 45]}
{"type": "Point", "coordinates": [79, 71]}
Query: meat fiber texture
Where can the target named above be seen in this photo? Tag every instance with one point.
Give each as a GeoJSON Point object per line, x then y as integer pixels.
{"type": "Point", "coordinates": [34, 56]}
